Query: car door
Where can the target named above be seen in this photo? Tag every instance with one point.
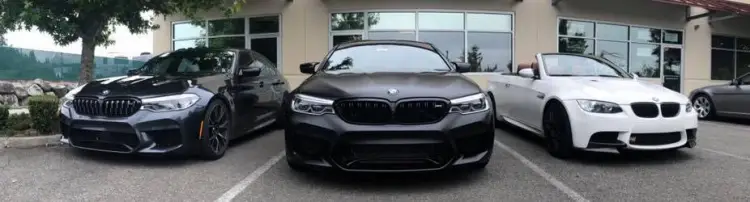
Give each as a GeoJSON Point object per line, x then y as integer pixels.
{"type": "Point", "coordinates": [246, 91]}
{"type": "Point", "coordinates": [531, 97]}
{"type": "Point", "coordinates": [738, 97]}
{"type": "Point", "coordinates": [500, 88]}
{"type": "Point", "coordinates": [267, 79]}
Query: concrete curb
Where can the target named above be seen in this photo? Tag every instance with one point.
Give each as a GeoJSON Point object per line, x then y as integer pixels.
{"type": "Point", "coordinates": [30, 142]}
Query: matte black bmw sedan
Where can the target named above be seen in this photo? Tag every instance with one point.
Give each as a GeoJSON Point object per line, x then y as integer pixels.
{"type": "Point", "coordinates": [189, 101]}
{"type": "Point", "coordinates": [387, 106]}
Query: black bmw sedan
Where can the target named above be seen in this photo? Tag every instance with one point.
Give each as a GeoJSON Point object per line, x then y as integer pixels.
{"type": "Point", "coordinates": [387, 106]}
{"type": "Point", "coordinates": [188, 101]}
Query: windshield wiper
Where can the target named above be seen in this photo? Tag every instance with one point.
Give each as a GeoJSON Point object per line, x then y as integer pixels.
{"type": "Point", "coordinates": [607, 75]}
{"type": "Point", "coordinates": [562, 75]}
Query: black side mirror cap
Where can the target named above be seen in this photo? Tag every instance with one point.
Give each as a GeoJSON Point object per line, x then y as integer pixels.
{"type": "Point", "coordinates": [133, 72]}
{"type": "Point", "coordinates": [462, 67]}
{"type": "Point", "coordinates": [308, 68]}
{"type": "Point", "coordinates": [249, 72]}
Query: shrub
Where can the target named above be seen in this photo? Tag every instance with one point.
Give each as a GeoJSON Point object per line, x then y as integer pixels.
{"type": "Point", "coordinates": [4, 116]}
{"type": "Point", "coordinates": [19, 122]}
{"type": "Point", "coordinates": [44, 113]}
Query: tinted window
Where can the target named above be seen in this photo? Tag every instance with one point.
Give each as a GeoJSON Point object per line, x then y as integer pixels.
{"type": "Point", "coordinates": [572, 65]}
{"type": "Point", "coordinates": [385, 58]}
{"type": "Point", "coordinates": [196, 61]}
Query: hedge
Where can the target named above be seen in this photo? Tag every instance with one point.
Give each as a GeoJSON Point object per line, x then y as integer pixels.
{"type": "Point", "coordinates": [44, 114]}
{"type": "Point", "coordinates": [4, 114]}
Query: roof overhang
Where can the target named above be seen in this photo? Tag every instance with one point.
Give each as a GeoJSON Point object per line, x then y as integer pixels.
{"type": "Point", "coordinates": [731, 8]}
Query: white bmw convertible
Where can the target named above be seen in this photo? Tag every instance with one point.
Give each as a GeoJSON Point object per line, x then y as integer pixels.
{"type": "Point", "coordinates": [578, 102]}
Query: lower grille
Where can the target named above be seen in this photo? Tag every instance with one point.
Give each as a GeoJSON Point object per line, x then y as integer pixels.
{"type": "Point", "coordinates": [645, 109]}
{"type": "Point", "coordinates": [110, 141]}
{"type": "Point", "coordinates": [655, 138]}
{"type": "Point", "coordinates": [670, 109]}
{"type": "Point", "coordinates": [389, 152]}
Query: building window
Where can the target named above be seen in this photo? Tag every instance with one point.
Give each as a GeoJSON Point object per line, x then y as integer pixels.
{"type": "Point", "coordinates": [730, 57]}
{"type": "Point", "coordinates": [260, 34]}
{"type": "Point", "coordinates": [484, 40]}
{"type": "Point", "coordinates": [635, 49]}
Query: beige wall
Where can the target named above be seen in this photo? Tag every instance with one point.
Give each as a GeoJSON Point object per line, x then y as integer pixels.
{"type": "Point", "coordinates": [305, 37]}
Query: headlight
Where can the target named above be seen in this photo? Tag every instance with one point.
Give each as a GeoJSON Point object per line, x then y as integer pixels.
{"type": "Point", "coordinates": [65, 101]}
{"type": "Point", "coordinates": [599, 106]}
{"type": "Point", "coordinates": [311, 105]}
{"type": "Point", "coordinates": [689, 107]}
{"type": "Point", "coordinates": [470, 104]}
{"type": "Point", "coordinates": [170, 103]}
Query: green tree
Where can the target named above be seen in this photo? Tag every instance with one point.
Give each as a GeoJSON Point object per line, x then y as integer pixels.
{"type": "Point", "coordinates": [475, 59]}
{"type": "Point", "coordinates": [93, 21]}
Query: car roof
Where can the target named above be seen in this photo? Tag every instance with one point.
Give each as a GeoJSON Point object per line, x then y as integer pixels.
{"type": "Point", "coordinates": [368, 42]}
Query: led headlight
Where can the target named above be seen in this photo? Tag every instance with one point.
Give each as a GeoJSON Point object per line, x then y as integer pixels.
{"type": "Point", "coordinates": [311, 105]}
{"type": "Point", "coordinates": [599, 106]}
{"type": "Point", "coordinates": [470, 104]}
{"type": "Point", "coordinates": [66, 101]}
{"type": "Point", "coordinates": [170, 103]}
{"type": "Point", "coordinates": [689, 107]}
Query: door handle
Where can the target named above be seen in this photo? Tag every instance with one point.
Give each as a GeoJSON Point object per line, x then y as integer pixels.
{"type": "Point", "coordinates": [278, 82]}
{"type": "Point", "coordinates": [258, 83]}
{"type": "Point", "coordinates": [540, 95]}
{"type": "Point", "coordinates": [507, 85]}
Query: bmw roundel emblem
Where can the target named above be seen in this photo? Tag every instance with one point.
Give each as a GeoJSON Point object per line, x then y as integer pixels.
{"type": "Point", "coordinates": [392, 91]}
{"type": "Point", "coordinates": [105, 92]}
{"type": "Point", "coordinates": [655, 99]}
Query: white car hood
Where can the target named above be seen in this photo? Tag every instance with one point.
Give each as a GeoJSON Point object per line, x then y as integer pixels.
{"type": "Point", "coordinates": [623, 91]}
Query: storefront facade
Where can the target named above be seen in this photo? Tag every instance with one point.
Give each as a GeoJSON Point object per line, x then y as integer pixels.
{"type": "Point", "coordinates": [653, 39]}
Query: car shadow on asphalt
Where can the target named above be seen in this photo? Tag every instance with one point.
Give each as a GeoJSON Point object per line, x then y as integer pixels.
{"type": "Point", "coordinates": [160, 160]}
{"type": "Point", "coordinates": [606, 159]}
{"type": "Point", "coordinates": [394, 182]}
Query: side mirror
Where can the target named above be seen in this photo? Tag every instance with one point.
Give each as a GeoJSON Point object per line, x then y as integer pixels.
{"type": "Point", "coordinates": [735, 82]}
{"type": "Point", "coordinates": [249, 72]}
{"type": "Point", "coordinates": [133, 72]}
{"type": "Point", "coordinates": [526, 73]}
{"type": "Point", "coordinates": [462, 67]}
{"type": "Point", "coordinates": [308, 68]}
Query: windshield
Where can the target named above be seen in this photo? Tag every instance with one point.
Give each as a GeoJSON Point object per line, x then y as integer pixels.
{"type": "Point", "coordinates": [572, 65]}
{"type": "Point", "coordinates": [384, 58]}
{"type": "Point", "coordinates": [189, 62]}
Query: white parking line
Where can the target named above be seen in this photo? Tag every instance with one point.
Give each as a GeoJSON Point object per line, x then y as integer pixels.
{"type": "Point", "coordinates": [725, 154]}
{"type": "Point", "coordinates": [242, 185]}
{"type": "Point", "coordinates": [551, 179]}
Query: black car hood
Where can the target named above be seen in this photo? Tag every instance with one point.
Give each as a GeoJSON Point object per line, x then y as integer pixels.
{"type": "Point", "coordinates": [138, 86]}
{"type": "Point", "coordinates": [377, 85]}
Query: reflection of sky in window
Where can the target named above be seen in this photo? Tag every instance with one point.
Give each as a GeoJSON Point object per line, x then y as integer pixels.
{"type": "Point", "coordinates": [187, 30]}
{"type": "Point", "coordinates": [451, 44]}
{"type": "Point", "coordinates": [495, 49]}
{"type": "Point", "coordinates": [488, 22]}
{"type": "Point", "coordinates": [393, 21]}
{"type": "Point", "coordinates": [616, 52]}
{"type": "Point", "coordinates": [643, 60]}
{"type": "Point", "coordinates": [395, 35]}
{"type": "Point", "coordinates": [441, 21]}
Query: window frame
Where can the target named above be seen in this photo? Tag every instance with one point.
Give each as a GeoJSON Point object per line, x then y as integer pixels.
{"type": "Point", "coordinates": [629, 41]}
{"type": "Point", "coordinates": [247, 35]}
{"type": "Point", "coordinates": [365, 31]}
{"type": "Point", "coordinates": [734, 51]}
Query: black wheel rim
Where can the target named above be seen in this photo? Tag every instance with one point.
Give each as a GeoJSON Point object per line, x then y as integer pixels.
{"type": "Point", "coordinates": [217, 126]}
{"type": "Point", "coordinates": [551, 131]}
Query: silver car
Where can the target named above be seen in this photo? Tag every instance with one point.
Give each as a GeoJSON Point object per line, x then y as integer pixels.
{"type": "Point", "coordinates": [726, 100]}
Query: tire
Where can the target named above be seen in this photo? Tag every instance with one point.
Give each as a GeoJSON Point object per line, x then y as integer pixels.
{"type": "Point", "coordinates": [215, 131]}
{"type": "Point", "coordinates": [704, 106]}
{"type": "Point", "coordinates": [558, 136]}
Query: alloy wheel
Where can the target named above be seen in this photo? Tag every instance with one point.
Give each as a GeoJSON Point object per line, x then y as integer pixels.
{"type": "Point", "coordinates": [217, 126]}
{"type": "Point", "coordinates": [703, 106]}
{"type": "Point", "coordinates": [551, 132]}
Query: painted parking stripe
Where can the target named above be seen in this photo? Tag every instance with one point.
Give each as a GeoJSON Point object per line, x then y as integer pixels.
{"type": "Point", "coordinates": [538, 170]}
{"type": "Point", "coordinates": [242, 185]}
{"type": "Point", "coordinates": [725, 154]}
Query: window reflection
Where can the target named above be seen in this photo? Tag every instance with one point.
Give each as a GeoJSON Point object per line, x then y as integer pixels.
{"type": "Point", "coordinates": [339, 39]}
{"type": "Point", "coordinates": [645, 35]}
{"type": "Point", "coordinates": [226, 27]}
{"type": "Point", "coordinates": [392, 21]}
{"type": "Point", "coordinates": [451, 44]}
{"type": "Point", "coordinates": [227, 42]}
{"type": "Point", "coordinates": [612, 32]}
{"type": "Point", "coordinates": [395, 35]}
{"type": "Point", "coordinates": [490, 52]}
{"type": "Point", "coordinates": [187, 30]}
{"type": "Point", "coordinates": [644, 60]}
{"type": "Point", "coordinates": [441, 21]}
{"type": "Point", "coordinates": [743, 63]}
{"type": "Point", "coordinates": [615, 52]}
{"type": "Point", "coordinates": [576, 28]}
{"type": "Point", "coordinates": [347, 21]}
{"type": "Point", "coordinates": [576, 45]}
{"type": "Point", "coordinates": [190, 43]}
{"type": "Point", "coordinates": [269, 24]}
{"type": "Point", "coordinates": [488, 22]}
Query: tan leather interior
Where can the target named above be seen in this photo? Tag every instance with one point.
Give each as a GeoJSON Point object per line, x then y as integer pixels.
{"type": "Point", "coordinates": [523, 66]}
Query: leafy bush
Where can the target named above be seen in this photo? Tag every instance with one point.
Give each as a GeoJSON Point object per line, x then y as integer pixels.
{"type": "Point", "coordinates": [19, 122]}
{"type": "Point", "coordinates": [3, 116]}
{"type": "Point", "coordinates": [44, 113]}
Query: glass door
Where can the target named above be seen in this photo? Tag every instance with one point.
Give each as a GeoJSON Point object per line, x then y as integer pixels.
{"type": "Point", "coordinates": [672, 67]}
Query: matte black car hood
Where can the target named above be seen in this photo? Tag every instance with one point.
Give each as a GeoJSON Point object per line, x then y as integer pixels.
{"type": "Point", "coordinates": [377, 85]}
{"type": "Point", "coordinates": [139, 86]}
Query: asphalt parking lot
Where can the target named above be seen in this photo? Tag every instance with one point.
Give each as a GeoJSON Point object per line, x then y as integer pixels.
{"type": "Point", "coordinates": [254, 169]}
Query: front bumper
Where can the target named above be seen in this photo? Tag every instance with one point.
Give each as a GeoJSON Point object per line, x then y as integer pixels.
{"type": "Point", "coordinates": [627, 131]}
{"type": "Point", "coordinates": [143, 132]}
{"type": "Point", "coordinates": [330, 143]}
